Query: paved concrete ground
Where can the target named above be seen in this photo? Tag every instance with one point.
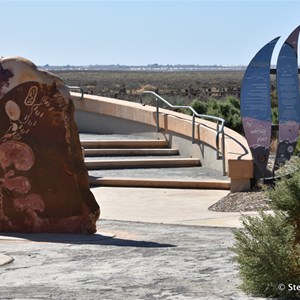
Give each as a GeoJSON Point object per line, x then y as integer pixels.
{"type": "Point", "coordinates": [143, 250]}
{"type": "Point", "coordinates": [166, 206]}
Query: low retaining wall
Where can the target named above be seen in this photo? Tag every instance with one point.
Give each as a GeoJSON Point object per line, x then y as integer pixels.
{"type": "Point", "coordinates": [107, 116]}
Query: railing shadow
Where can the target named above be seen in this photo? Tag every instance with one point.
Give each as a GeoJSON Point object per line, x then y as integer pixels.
{"type": "Point", "coordinates": [246, 152]}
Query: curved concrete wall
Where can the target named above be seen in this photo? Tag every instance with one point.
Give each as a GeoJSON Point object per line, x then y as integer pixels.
{"type": "Point", "coordinates": [106, 115]}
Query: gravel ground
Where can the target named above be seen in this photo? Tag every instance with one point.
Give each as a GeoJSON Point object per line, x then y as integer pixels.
{"type": "Point", "coordinates": [254, 200]}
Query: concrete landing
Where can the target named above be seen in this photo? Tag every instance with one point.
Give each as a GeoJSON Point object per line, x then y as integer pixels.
{"type": "Point", "coordinates": [165, 206]}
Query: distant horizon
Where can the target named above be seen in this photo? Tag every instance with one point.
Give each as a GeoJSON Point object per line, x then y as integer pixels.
{"type": "Point", "coordinates": [139, 68]}
{"type": "Point", "coordinates": [148, 67]}
{"type": "Point", "coordinates": [143, 65]}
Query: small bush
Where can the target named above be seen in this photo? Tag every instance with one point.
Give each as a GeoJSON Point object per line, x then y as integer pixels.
{"type": "Point", "coordinates": [297, 150]}
{"type": "Point", "coordinates": [267, 255]}
{"type": "Point", "coordinates": [286, 197]}
{"type": "Point", "coordinates": [275, 115]}
{"type": "Point", "coordinates": [274, 99]}
{"type": "Point", "coordinates": [229, 110]}
{"type": "Point", "coordinates": [268, 247]}
{"type": "Point", "coordinates": [199, 106]}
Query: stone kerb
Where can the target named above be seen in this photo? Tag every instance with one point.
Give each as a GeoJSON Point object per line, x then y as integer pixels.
{"type": "Point", "coordinates": [43, 180]}
{"type": "Point", "coordinates": [238, 158]}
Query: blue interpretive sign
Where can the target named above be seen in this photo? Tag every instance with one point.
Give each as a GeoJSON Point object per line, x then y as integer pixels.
{"type": "Point", "coordinates": [256, 105]}
{"type": "Point", "coordinates": [288, 99]}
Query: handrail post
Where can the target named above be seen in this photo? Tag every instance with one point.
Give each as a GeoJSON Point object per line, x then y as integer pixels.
{"type": "Point", "coordinates": [193, 129]}
{"type": "Point", "coordinates": [217, 140]}
{"type": "Point", "coordinates": [157, 115]}
{"type": "Point", "coordinates": [223, 152]}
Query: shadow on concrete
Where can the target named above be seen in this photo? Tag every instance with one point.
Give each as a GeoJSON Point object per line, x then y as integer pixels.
{"type": "Point", "coordinates": [79, 239]}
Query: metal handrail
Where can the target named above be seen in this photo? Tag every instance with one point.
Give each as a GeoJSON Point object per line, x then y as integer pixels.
{"type": "Point", "coordinates": [219, 129]}
{"type": "Point", "coordinates": [76, 88]}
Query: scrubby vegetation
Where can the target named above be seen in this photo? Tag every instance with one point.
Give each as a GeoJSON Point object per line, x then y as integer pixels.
{"type": "Point", "coordinates": [128, 85]}
{"type": "Point", "coordinates": [268, 248]}
{"type": "Point", "coordinates": [208, 92]}
{"type": "Point", "coordinates": [228, 109]}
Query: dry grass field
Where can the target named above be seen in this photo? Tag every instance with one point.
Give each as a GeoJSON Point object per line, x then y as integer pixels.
{"type": "Point", "coordinates": [128, 85]}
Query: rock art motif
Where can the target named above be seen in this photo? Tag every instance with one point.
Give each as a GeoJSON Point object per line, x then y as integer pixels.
{"type": "Point", "coordinates": [43, 180]}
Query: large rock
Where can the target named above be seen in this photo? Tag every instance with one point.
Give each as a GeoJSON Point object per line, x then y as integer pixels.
{"type": "Point", "coordinates": [43, 180]}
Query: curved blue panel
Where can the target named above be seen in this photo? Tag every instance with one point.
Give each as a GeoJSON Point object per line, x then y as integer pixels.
{"type": "Point", "coordinates": [288, 99]}
{"type": "Point", "coordinates": [256, 105]}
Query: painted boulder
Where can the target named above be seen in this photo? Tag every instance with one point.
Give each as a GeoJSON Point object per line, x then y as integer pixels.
{"type": "Point", "coordinates": [43, 179]}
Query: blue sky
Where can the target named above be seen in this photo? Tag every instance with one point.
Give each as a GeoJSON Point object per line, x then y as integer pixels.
{"type": "Point", "coordinates": [144, 32]}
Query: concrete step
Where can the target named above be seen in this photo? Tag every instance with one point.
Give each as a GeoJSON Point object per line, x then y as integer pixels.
{"type": "Point", "coordinates": [134, 157]}
{"type": "Point", "coordinates": [141, 163]}
{"type": "Point", "coordinates": [181, 173]}
{"type": "Point", "coordinates": [130, 152]}
{"type": "Point", "coordinates": [187, 178]}
{"type": "Point", "coordinates": [112, 136]}
{"type": "Point", "coordinates": [123, 144]}
{"type": "Point", "coordinates": [161, 183]}
{"type": "Point", "coordinates": [144, 162]}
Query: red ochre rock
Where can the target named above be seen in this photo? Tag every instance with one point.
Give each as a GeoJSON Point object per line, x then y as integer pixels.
{"type": "Point", "coordinates": [43, 179]}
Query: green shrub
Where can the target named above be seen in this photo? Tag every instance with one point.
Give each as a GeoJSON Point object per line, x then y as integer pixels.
{"type": "Point", "coordinates": [268, 247]}
{"type": "Point", "coordinates": [199, 106]}
{"type": "Point", "coordinates": [286, 197]}
{"type": "Point", "coordinates": [268, 256]}
{"type": "Point", "coordinates": [234, 102]}
{"type": "Point", "coordinates": [229, 110]}
{"type": "Point", "coordinates": [274, 99]}
{"type": "Point", "coordinates": [275, 115]}
{"type": "Point", "coordinates": [297, 149]}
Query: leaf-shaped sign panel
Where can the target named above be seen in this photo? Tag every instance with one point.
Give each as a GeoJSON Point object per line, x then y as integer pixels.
{"type": "Point", "coordinates": [256, 105]}
{"type": "Point", "coordinates": [288, 99]}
